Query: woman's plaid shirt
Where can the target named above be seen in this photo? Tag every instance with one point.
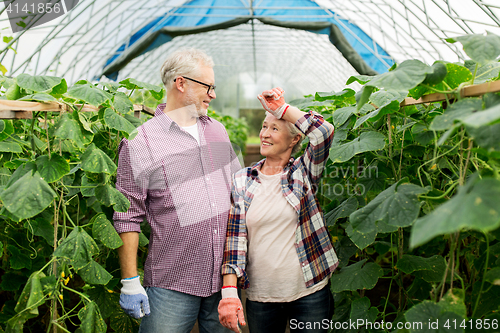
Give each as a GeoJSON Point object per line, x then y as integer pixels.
{"type": "Point", "coordinates": [299, 182]}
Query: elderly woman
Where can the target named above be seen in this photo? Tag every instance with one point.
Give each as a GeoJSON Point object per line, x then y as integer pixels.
{"type": "Point", "coordinates": [277, 245]}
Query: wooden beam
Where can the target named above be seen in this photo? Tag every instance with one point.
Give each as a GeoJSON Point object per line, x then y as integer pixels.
{"type": "Point", "coordinates": [468, 91]}
{"type": "Point", "coordinates": [23, 109]}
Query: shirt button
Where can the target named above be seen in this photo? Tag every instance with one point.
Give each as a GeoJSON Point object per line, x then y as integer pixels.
{"type": "Point", "coordinates": [215, 231]}
{"type": "Point", "coordinates": [213, 204]}
{"type": "Point", "coordinates": [207, 178]}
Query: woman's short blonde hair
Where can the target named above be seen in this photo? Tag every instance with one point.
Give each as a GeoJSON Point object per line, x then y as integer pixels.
{"type": "Point", "coordinates": [186, 61]}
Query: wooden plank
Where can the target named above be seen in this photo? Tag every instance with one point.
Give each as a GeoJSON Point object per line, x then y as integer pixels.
{"type": "Point", "coordinates": [6, 105]}
{"type": "Point", "coordinates": [10, 114]}
{"type": "Point", "coordinates": [23, 109]}
{"type": "Point", "coordinates": [468, 91]}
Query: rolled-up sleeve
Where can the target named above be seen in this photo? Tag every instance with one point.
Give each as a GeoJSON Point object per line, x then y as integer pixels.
{"type": "Point", "coordinates": [320, 134]}
{"type": "Point", "coordinates": [133, 189]}
{"type": "Point", "coordinates": [235, 251]}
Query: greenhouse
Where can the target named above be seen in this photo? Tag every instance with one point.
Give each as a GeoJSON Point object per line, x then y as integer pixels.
{"type": "Point", "coordinates": [407, 191]}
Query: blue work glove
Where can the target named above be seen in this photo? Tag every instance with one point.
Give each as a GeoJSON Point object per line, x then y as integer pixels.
{"type": "Point", "coordinates": [133, 299]}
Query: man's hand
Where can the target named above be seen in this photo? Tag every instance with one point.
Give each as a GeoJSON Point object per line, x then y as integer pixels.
{"type": "Point", "coordinates": [273, 101]}
{"type": "Point", "coordinates": [133, 299]}
{"type": "Point", "coordinates": [231, 310]}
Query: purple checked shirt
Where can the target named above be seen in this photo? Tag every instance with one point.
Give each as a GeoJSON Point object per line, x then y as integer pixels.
{"type": "Point", "coordinates": [182, 189]}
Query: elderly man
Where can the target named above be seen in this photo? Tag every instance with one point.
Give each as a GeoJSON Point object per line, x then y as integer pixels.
{"type": "Point", "coordinates": [176, 173]}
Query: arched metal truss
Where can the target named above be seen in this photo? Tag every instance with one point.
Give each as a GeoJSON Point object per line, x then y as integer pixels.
{"type": "Point", "coordinates": [78, 44]}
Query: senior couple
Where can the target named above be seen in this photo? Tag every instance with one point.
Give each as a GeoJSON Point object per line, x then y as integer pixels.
{"type": "Point", "coordinates": [261, 226]}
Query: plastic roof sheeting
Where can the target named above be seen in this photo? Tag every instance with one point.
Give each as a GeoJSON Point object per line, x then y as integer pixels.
{"type": "Point", "coordinates": [79, 44]}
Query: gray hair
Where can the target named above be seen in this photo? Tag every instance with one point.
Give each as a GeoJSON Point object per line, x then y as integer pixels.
{"type": "Point", "coordinates": [293, 130]}
{"type": "Point", "coordinates": [185, 61]}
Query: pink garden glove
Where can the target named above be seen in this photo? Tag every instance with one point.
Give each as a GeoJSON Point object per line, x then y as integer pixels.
{"type": "Point", "coordinates": [231, 310]}
{"type": "Point", "coordinates": [273, 101]}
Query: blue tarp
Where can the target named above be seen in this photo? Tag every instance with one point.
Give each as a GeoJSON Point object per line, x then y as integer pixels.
{"type": "Point", "coordinates": [215, 12]}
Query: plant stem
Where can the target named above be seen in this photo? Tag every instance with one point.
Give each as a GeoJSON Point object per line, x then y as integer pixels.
{"type": "Point", "coordinates": [466, 161]}
{"type": "Point", "coordinates": [475, 72]}
{"type": "Point", "coordinates": [390, 284]}
{"type": "Point", "coordinates": [47, 132]}
{"type": "Point", "coordinates": [442, 195]}
{"type": "Point", "coordinates": [485, 270]}
{"type": "Point", "coordinates": [76, 292]}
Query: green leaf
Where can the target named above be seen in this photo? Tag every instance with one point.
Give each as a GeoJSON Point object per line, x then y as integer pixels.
{"type": "Point", "coordinates": [89, 94]}
{"type": "Point", "coordinates": [68, 128]}
{"type": "Point", "coordinates": [28, 196]}
{"type": "Point", "coordinates": [88, 192]}
{"type": "Point", "coordinates": [18, 260]}
{"type": "Point", "coordinates": [406, 76]}
{"type": "Point", "coordinates": [108, 196]}
{"type": "Point", "coordinates": [486, 136]}
{"type": "Point", "coordinates": [363, 96]}
{"type": "Point", "coordinates": [6, 129]}
{"type": "Point", "coordinates": [156, 91]}
{"type": "Point", "coordinates": [483, 118]}
{"type": "Point", "coordinates": [487, 72]}
{"type": "Point", "coordinates": [10, 147]}
{"type": "Point", "coordinates": [12, 281]}
{"type": "Point", "coordinates": [79, 247]}
{"type": "Point", "coordinates": [94, 273]}
{"type": "Point", "coordinates": [42, 227]}
{"type": "Point", "coordinates": [107, 300]}
{"type": "Point", "coordinates": [480, 48]}
{"type": "Point", "coordinates": [40, 97]}
{"type": "Point", "coordinates": [91, 320]}
{"type": "Point", "coordinates": [474, 207]}
{"type": "Point", "coordinates": [96, 161]}
{"type": "Point", "coordinates": [367, 141]}
{"type": "Point", "coordinates": [14, 92]}
{"type": "Point", "coordinates": [31, 296]}
{"type": "Point", "coordinates": [105, 232]}
{"type": "Point", "coordinates": [409, 264]}
{"type": "Point", "coordinates": [38, 83]}
{"type": "Point", "coordinates": [457, 111]}
{"type": "Point", "coordinates": [453, 301]}
{"type": "Point", "coordinates": [435, 274]}
{"type": "Point", "coordinates": [114, 120]}
{"type": "Point", "coordinates": [493, 276]}
{"type": "Point", "coordinates": [143, 240]}
{"type": "Point", "coordinates": [21, 171]}
{"type": "Point", "coordinates": [123, 323]}
{"type": "Point", "coordinates": [341, 115]}
{"type": "Point", "coordinates": [429, 317]}
{"type": "Point", "coordinates": [439, 72]}
{"type": "Point", "coordinates": [356, 276]}
{"type": "Point", "coordinates": [122, 103]}
{"type": "Point", "coordinates": [397, 206]}
{"type": "Point", "coordinates": [343, 210]}
{"type": "Point", "coordinates": [372, 184]}
{"type": "Point", "coordinates": [52, 167]}
{"type": "Point", "coordinates": [323, 96]}
{"type": "Point", "coordinates": [378, 113]}
{"type": "Point", "coordinates": [360, 310]}
{"type": "Point", "coordinates": [359, 78]}
{"type": "Point", "coordinates": [362, 240]}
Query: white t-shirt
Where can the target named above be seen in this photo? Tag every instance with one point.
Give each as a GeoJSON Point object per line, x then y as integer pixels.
{"type": "Point", "coordinates": [273, 269]}
{"type": "Point", "coordinates": [193, 130]}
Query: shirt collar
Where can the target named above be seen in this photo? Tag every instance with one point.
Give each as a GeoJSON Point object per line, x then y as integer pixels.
{"type": "Point", "coordinates": [254, 170]}
{"type": "Point", "coordinates": [167, 122]}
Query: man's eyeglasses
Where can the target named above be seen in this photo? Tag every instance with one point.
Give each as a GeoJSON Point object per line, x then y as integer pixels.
{"type": "Point", "coordinates": [210, 89]}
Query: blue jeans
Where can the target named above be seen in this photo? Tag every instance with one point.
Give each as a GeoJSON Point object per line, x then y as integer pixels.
{"type": "Point", "coordinates": [305, 314]}
{"type": "Point", "coordinates": [176, 312]}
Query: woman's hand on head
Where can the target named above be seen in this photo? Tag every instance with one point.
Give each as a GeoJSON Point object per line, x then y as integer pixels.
{"type": "Point", "coordinates": [273, 101]}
